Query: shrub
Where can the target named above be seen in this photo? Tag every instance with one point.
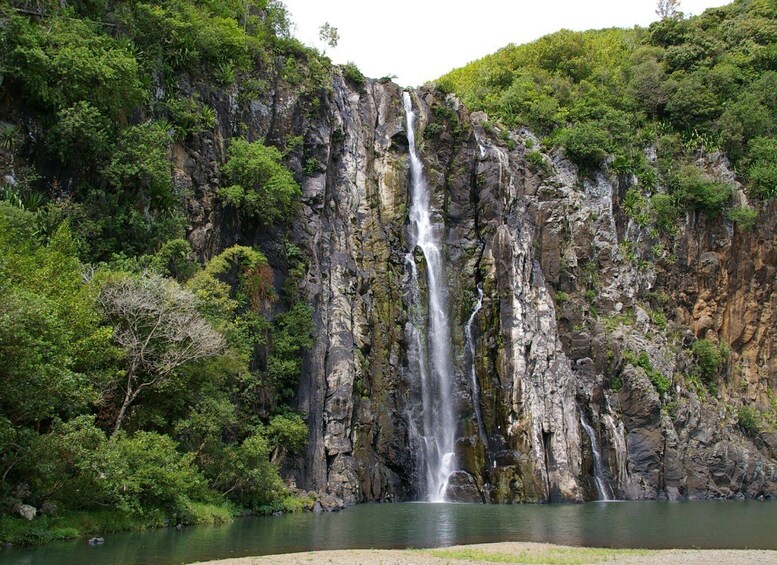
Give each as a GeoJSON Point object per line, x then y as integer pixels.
{"type": "Point", "coordinates": [744, 217]}
{"type": "Point", "coordinates": [698, 192]}
{"type": "Point", "coordinates": [709, 358]}
{"type": "Point", "coordinates": [190, 116]}
{"type": "Point", "coordinates": [586, 145]}
{"type": "Point", "coordinates": [140, 165]}
{"type": "Point", "coordinates": [292, 333]}
{"type": "Point", "coordinates": [146, 471]}
{"type": "Point", "coordinates": [82, 135]}
{"type": "Point", "coordinates": [762, 172]}
{"type": "Point", "coordinates": [352, 74]}
{"type": "Point", "coordinates": [288, 431]}
{"type": "Point", "coordinates": [261, 186]}
{"type": "Point", "coordinates": [67, 61]}
{"type": "Point", "coordinates": [665, 212]}
{"type": "Point", "coordinates": [749, 420]}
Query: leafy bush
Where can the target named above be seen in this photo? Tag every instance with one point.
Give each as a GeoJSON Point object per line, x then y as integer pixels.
{"type": "Point", "coordinates": [244, 473]}
{"type": "Point", "coordinates": [762, 171]}
{"type": "Point", "coordinates": [146, 471]}
{"type": "Point", "coordinates": [140, 164]}
{"type": "Point", "coordinates": [744, 217]}
{"type": "Point", "coordinates": [82, 135]}
{"type": "Point", "coordinates": [68, 61]}
{"type": "Point", "coordinates": [749, 420]}
{"type": "Point", "coordinates": [262, 187]}
{"type": "Point", "coordinates": [292, 333]}
{"type": "Point", "coordinates": [288, 431]}
{"type": "Point", "coordinates": [352, 74]}
{"type": "Point", "coordinates": [709, 358]}
{"type": "Point", "coordinates": [585, 144]}
{"type": "Point", "coordinates": [695, 190]}
{"type": "Point", "coordinates": [190, 116]}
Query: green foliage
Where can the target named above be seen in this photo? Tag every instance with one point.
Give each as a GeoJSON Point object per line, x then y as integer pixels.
{"type": "Point", "coordinates": [261, 186]}
{"type": "Point", "coordinates": [708, 81]}
{"type": "Point", "coordinates": [146, 471]}
{"type": "Point", "coordinates": [665, 212]}
{"type": "Point", "coordinates": [53, 349]}
{"type": "Point", "coordinates": [709, 358]}
{"type": "Point", "coordinates": [292, 333]}
{"type": "Point", "coordinates": [197, 436]}
{"type": "Point", "coordinates": [744, 217]}
{"type": "Point", "coordinates": [82, 135]}
{"type": "Point", "coordinates": [586, 145]}
{"type": "Point", "coordinates": [762, 171]}
{"type": "Point", "coordinates": [698, 192]}
{"type": "Point", "coordinates": [750, 420]}
{"type": "Point", "coordinates": [140, 164]}
{"type": "Point", "coordinates": [287, 431]}
{"type": "Point", "coordinates": [661, 383]}
{"type": "Point", "coordinates": [353, 75]}
{"type": "Point", "coordinates": [245, 473]}
{"type": "Point", "coordinates": [189, 116]}
{"type": "Point", "coordinates": [68, 61]}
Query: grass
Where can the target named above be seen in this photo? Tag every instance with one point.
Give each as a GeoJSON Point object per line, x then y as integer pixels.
{"type": "Point", "coordinates": [70, 525]}
{"type": "Point", "coordinates": [44, 529]}
{"type": "Point", "coordinates": [545, 556]}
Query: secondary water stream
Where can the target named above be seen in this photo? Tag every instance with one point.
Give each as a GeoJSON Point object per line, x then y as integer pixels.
{"type": "Point", "coordinates": [702, 524]}
{"type": "Point", "coordinates": [601, 482]}
{"type": "Point", "coordinates": [430, 335]}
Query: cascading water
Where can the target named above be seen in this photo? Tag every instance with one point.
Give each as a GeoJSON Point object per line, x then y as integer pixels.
{"type": "Point", "coordinates": [472, 375]}
{"type": "Point", "coordinates": [601, 482]}
{"type": "Point", "coordinates": [433, 355]}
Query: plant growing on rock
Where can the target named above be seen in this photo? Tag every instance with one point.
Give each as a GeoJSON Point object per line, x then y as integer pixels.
{"type": "Point", "coordinates": [709, 358]}
{"type": "Point", "coordinates": [261, 186]}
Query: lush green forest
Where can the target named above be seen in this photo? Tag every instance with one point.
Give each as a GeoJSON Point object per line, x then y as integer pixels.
{"type": "Point", "coordinates": [682, 86]}
{"type": "Point", "coordinates": [139, 387]}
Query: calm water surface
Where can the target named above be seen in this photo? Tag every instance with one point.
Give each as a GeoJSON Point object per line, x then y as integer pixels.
{"type": "Point", "coordinates": [702, 524]}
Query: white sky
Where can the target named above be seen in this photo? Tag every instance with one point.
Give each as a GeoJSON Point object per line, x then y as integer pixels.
{"type": "Point", "coordinates": [420, 40]}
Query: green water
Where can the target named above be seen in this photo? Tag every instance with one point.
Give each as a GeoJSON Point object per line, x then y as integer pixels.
{"type": "Point", "coordinates": [703, 524]}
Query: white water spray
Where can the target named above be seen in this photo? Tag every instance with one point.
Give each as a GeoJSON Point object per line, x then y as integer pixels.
{"type": "Point", "coordinates": [601, 483]}
{"type": "Point", "coordinates": [433, 354]}
{"type": "Point", "coordinates": [472, 374]}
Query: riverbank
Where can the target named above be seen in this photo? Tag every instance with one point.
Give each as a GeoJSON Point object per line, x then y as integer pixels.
{"type": "Point", "coordinates": [512, 552]}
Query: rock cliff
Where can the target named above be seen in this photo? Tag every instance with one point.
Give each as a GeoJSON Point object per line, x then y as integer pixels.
{"type": "Point", "coordinates": [583, 308]}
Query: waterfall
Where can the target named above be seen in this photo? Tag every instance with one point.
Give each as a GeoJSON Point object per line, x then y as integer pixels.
{"type": "Point", "coordinates": [430, 335]}
{"type": "Point", "coordinates": [601, 482]}
{"type": "Point", "coordinates": [618, 438]}
{"type": "Point", "coordinates": [472, 374]}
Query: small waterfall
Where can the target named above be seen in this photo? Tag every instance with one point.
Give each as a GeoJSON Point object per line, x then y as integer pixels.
{"type": "Point", "coordinates": [433, 355]}
{"type": "Point", "coordinates": [472, 374]}
{"type": "Point", "coordinates": [618, 438]}
{"type": "Point", "coordinates": [601, 482]}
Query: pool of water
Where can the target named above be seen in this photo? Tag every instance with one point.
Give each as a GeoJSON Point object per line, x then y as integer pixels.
{"type": "Point", "coordinates": [698, 524]}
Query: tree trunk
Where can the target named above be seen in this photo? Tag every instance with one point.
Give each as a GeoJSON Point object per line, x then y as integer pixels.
{"type": "Point", "coordinates": [122, 413]}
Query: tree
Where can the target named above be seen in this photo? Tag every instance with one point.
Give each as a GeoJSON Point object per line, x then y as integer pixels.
{"type": "Point", "coordinates": [158, 326]}
{"type": "Point", "coordinates": [262, 187]}
{"type": "Point", "coordinates": [329, 34]}
{"type": "Point", "coordinates": [668, 9]}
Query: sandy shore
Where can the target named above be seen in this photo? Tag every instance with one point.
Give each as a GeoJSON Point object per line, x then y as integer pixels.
{"type": "Point", "coordinates": [510, 552]}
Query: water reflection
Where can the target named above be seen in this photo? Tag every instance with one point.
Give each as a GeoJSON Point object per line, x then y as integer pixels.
{"type": "Point", "coordinates": [711, 524]}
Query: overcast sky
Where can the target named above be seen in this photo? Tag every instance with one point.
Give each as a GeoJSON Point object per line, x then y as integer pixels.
{"type": "Point", "coordinates": [419, 40]}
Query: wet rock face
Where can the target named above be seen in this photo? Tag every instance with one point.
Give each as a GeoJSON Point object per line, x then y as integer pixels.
{"type": "Point", "coordinates": [567, 306]}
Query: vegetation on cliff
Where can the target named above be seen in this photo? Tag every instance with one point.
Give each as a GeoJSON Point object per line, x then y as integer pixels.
{"type": "Point", "coordinates": [139, 386]}
{"type": "Point", "coordinates": [681, 86]}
